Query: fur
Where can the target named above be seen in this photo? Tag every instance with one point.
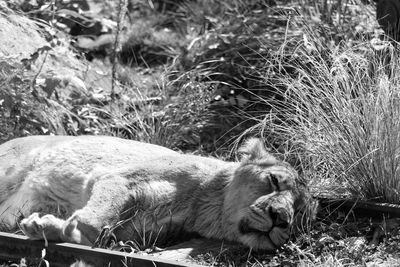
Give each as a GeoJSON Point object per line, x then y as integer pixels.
{"type": "Point", "coordinates": [83, 184]}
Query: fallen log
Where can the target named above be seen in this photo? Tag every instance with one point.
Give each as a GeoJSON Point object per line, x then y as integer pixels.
{"type": "Point", "coordinates": [361, 208]}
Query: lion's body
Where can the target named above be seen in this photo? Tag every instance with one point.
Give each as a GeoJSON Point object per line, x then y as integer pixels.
{"type": "Point", "coordinates": [91, 182]}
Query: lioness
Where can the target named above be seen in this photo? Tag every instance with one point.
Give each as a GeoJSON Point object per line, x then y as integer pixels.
{"type": "Point", "coordinates": [85, 183]}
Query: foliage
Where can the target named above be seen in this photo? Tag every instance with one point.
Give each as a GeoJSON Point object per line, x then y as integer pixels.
{"type": "Point", "coordinates": [245, 48]}
{"type": "Point", "coordinates": [341, 113]}
{"type": "Point", "coordinates": [312, 77]}
{"type": "Point", "coordinates": [24, 111]}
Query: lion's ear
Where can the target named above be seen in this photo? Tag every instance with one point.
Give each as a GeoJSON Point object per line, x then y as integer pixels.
{"type": "Point", "coordinates": [254, 149]}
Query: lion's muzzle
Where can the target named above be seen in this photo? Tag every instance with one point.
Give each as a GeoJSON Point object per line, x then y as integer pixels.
{"type": "Point", "coordinates": [269, 219]}
{"type": "Point", "coordinates": [280, 217]}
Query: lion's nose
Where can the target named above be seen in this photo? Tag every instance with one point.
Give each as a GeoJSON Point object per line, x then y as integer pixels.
{"type": "Point", "coordinates": [279, 217]}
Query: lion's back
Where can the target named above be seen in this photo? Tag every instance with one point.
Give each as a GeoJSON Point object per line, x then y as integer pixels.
{"type": "Point", "coordinates": [82, 152]}
{"type": "Point", "coordinates": [39, 169]}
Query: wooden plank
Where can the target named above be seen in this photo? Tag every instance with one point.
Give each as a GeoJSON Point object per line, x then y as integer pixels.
{"type": "Point", "coordinates": [198, 246]}
{"type": "Point", "coordinates": [15, 247]}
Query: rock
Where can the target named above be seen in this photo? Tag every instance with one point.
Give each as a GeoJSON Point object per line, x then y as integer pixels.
{"type": "Point", "coordinates": [19, 36]}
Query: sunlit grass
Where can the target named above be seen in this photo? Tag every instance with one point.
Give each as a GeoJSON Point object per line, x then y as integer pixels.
{"type": "Point", "coordinates": [341, 111]}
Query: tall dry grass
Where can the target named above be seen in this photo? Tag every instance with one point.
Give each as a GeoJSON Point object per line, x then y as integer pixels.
{"type": "Point", "coordinates": [341, 114]}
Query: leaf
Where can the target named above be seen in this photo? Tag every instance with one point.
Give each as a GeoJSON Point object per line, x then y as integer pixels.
{"type": "Point", "coordinates": [213, 46]}
{"type": "Point", "coordinates": [73, 14]}
{"type": "Point", "coordinates": [93, 44]}
{"type": "Point", "coordinates": [74, 81]}
{"type": "Point", "coordinates": [50, 85]}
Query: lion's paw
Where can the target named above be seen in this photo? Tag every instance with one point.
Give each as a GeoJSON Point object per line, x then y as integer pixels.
{"type": "Point", "coordinates": [279, 236]}
{"type": "Point", "coordinates": [47, 226]}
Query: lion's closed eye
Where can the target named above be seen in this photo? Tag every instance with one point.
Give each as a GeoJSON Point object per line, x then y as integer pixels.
{"type": "Point", "coordinates": [281, 181]}
{"type": "Point", "coordinates": [275, 181]}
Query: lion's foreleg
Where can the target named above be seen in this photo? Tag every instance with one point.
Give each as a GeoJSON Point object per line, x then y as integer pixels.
{"type": "Point", "coordinates": [107, 199]}
{"type": "Point", "coordinates": [109, 196]}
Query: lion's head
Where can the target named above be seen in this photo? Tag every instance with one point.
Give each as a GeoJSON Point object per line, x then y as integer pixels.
{"type": "Point", "coordinates": [264, 200]}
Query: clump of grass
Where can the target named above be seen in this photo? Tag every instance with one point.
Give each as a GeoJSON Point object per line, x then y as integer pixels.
{"type": "Point", "coordinates": [337, 116]}
{"type": "Point", "coordinates": [341, 111]}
